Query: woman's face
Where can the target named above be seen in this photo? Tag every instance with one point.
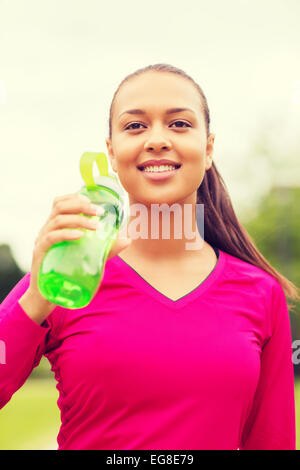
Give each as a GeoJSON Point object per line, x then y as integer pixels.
{"type": "Point", "coordinates": [156, 134]}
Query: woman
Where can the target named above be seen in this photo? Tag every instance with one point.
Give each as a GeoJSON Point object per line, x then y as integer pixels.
{"type": "Point", "coordinates": [187, 342]}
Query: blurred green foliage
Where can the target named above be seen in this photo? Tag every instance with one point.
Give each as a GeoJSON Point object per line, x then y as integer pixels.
{"type": "Point", "coordinates": [43, 370]}
{"type": "Point", "coordinates": [31, 419]}
{"type": "Point", "coordinates": [10, 272]}
{"type": "Point", "coordinates": [275, 230]}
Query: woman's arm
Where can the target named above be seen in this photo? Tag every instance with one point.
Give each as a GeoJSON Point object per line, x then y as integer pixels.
{"type": "Point", "coordinates": [271, 422]}
{"type": "Point", "coordinates": [23, 340]}
{"type": "Point", "coordinates": [34, 306]}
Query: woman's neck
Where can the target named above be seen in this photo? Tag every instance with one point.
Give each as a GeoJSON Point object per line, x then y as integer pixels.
{"type": "Point", "coordinates": [165, 232]}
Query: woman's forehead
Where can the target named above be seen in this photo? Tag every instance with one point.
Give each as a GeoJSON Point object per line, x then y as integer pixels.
{"type": "Point", "coordinates": [162, 89]}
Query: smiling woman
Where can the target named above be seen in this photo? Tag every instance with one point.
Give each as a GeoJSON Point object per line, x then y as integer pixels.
{"type": "Point", "coordinates": [183, 346]}
{"type": "Point", "coordinates": [222, 227]}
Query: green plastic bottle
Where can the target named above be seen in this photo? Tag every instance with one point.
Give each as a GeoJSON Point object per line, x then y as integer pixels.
{"type": "Point", "coordinates": [71, 270]}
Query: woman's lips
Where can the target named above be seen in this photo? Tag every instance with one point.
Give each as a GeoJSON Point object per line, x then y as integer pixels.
{"type": "Point", "coordinates": [159, 175]}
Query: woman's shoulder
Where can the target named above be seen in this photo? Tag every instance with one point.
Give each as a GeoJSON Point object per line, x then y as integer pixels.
{"type": "Point", "coordinates": [244, 272]}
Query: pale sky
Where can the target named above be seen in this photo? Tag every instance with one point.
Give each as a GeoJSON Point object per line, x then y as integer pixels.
{"type": "Point", "coordinates": [62, 60]}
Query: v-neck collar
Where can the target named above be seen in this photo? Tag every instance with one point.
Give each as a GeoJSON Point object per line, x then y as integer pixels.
{"type": "Point", "coordinates": [142, 284]}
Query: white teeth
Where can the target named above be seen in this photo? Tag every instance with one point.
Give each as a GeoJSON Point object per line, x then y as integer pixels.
{"type": "Point", "coordinates": [160, 168]}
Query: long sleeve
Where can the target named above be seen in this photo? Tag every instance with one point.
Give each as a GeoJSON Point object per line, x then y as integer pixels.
{"type": "Point", "coordinates": [23, 342]}
{"type": "Point", "coordinates": [271, 421]}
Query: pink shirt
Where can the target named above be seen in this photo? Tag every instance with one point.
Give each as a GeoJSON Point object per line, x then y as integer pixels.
{"type": "Point", "coordinates": [137, 370]}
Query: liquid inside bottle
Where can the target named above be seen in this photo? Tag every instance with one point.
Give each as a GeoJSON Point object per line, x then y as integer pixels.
{"type": "Point", "coordinates": [71, 270]}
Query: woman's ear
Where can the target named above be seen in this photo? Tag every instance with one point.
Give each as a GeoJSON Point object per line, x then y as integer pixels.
{"type": "Point", "coordinates": [209, 151]}
{"type": "Point", "coordinates": [111, 155]}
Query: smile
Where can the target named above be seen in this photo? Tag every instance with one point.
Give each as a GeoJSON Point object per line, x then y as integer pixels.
{"type": "Point", "coordinates": [159, 173]}
{"type": "Point", "coordinates": [159, 168]}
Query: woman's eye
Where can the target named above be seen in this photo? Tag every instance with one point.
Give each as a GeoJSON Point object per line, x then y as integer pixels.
{"type": "Point", "coordinates": [133, 124]}
{"type": "Point", "coordinates": [182, 122]}
{"type": "Point", "coordinates": [139, 124]}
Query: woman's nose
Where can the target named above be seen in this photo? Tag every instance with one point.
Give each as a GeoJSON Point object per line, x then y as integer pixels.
{"type": "Point", "coordinates": [157, 142]}
{"type": "Point", "coordinates": [157, 147]}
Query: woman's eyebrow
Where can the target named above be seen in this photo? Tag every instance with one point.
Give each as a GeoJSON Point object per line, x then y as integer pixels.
{"type": "Point", "coordinates": [168, 111]}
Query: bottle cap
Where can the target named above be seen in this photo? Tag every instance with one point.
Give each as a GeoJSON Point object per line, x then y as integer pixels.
{"type": "Point", "coordinates": [86, 167]}
{"type": "Point", "coordinates": [105, 179]}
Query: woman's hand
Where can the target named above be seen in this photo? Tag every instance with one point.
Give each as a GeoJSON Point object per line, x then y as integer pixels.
{"type": "Point", "coordinates": [61, 225]}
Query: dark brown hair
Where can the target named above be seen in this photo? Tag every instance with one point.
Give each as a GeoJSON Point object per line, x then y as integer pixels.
{"type": "Point", "coordinates": [222, 228]}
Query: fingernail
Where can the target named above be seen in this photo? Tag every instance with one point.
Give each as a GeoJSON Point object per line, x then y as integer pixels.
{"type": "Point", "coordinates": [98, 209]}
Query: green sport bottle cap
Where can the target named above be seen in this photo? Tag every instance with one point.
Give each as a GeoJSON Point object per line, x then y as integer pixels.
{"type": "Point", "coordinates": [105, 179]}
